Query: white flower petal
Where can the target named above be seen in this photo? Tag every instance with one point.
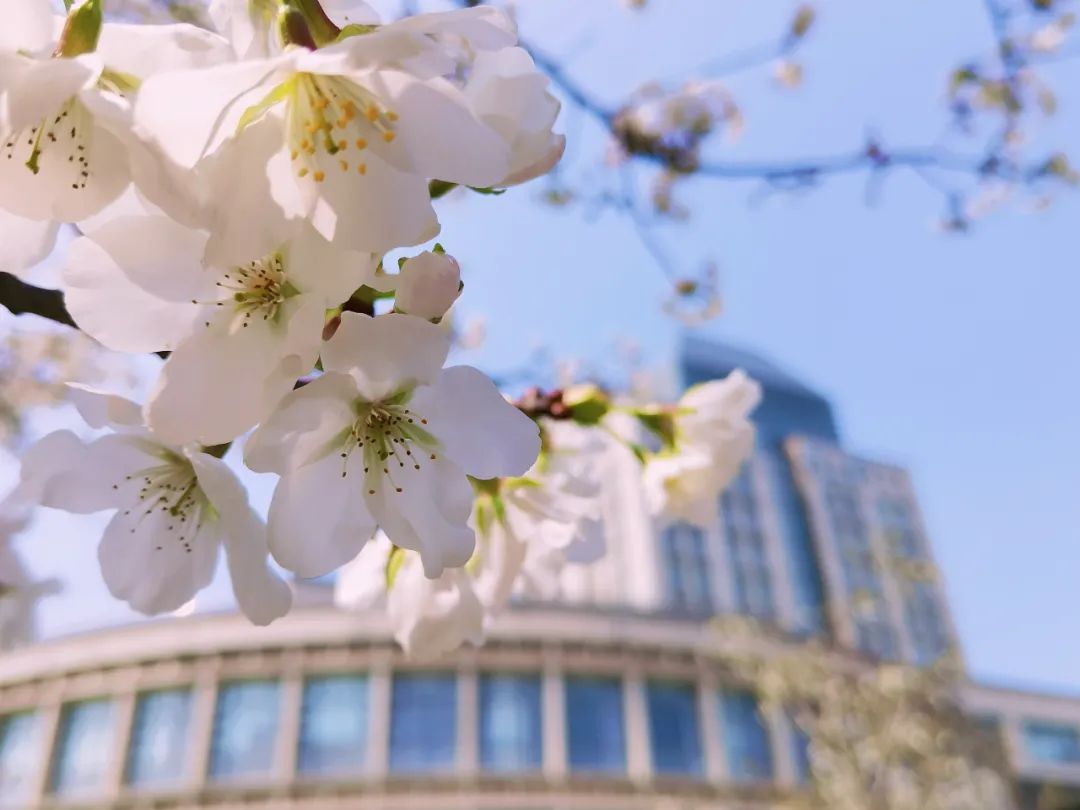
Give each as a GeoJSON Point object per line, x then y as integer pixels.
{"type": "Point", "coordinates": [244, 219]}
{"type": "Point", "coordinates": [28, 25]}
{"type": "Point", "coordinates": [101, 409]}
{"type": "Point", "coordinates": [152, 568]}
{"type": "Point", "coordinates": [381, 210]}
{"type": "Point", "coordinates": [62, 472]}
{"type": "Point", "coordinates": [387, 353]}
{"type": "Point", "coordinates": [26, 242]}
{"type": "Point", "coordinates": [426, 510]}
{"type": "Point", "coordinates": [221, 380]}
{"type": "Point", "coordinates": [304, 427]}
{"type": "Point", "coordinates": [33, 90]}
{"type": "Point", "coordinates": [188, 125]}
{"type": "Point", "coordinates": [316, 266]}
{"type": "Point", "coordinates": [361, 583]}
{"type": "Point", "coordinates": [161, 256]}
{"type": "Point", "coordinates": [438, 131]}
{"type": "Point", "coordinates": [143, 50]}
{"type": "Point", "coordinates": [317, 520]}
{"type": "Point", "coordinates": [479, 430]}
{"type": "Point", "coordinates": [262, 595]}
{"type": "Point", "coordinates": [433, 617]}
{"type": "Point", "coordinates": [110, 307]}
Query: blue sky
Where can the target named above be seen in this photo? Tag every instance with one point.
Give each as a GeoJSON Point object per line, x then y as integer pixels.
{"type": "Point", "coordinates": [951, 355]}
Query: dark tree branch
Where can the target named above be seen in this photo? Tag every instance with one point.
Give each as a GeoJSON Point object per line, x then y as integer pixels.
{"type": "Point", "coordinates": [21, 298]}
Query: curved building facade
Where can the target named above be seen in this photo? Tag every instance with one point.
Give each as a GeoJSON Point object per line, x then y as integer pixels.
{"type": "Point", "coordinates": [617, 697]}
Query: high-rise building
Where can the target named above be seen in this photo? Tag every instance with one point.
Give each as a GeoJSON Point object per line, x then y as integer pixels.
{"type": "Point", "coordinates": [615, 697]}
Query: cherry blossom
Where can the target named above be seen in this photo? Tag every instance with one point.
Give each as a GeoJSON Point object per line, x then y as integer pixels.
{"type": "Point", "coordinates": [174, 509]}
{"type": "Point", "coordinates": [386, 437]}
{"type": "Point", "coordinates": [712, 437]}
{"type": "Point", "coordinates": [240, 335]}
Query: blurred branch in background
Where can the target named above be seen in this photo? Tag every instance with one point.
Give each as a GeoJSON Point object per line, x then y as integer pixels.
{"type": "Point", "coordinates": [667, 126]}
{"type": "Point", "coordinates": [872, 735]}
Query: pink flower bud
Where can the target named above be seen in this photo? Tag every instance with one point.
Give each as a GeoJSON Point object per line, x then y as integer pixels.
{"type": "Point", "coordinates": [428, 285]}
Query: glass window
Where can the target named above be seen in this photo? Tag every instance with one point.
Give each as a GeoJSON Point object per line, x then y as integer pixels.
{"type": "Point", "coordinates": [745, 536]}
{"type": "Point", "coordinates": [686, 568]}
{"type": "Point", "coordinates": [334, 724]}
{"type": "Point", "coordinates": [159, 738]}
{"type": "Point", "coordinates": [673, 728]}
{"type": "Point", "coordinates": [20, 753]}
{"type": "Point", "coordinates": [1052, 743]}
{"type": "Point", "coordinates": [746, 738]}
{"type": "Point", "coordinates": [510, 738]}
{"type": "Point", "coordinates": [423, 723]}
{"type": "Point", "coordinates": [594, 725]}
{"type": "Point", "coordinates": [84, 748]}
{"type": "Point", "coordinates": [245, 729]}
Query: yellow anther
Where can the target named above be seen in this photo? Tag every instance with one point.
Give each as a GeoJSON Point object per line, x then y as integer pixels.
{"type": "Point", "coordinates": [344, 165]}
{"type": "Point", "coordinates": [362, 168]}
{"type": "Point", "coordinates": [342, 145]}
{"type": "Point", "coordinates": [391, 115]}
{"type": "Point", "coordinates": [319, 176]}
{"type": "Point", "coordinates": [372, 113]}
{"type": "Point", "coordinates": [302, 172]}
{"type": "Point", "coordinates": [388, 136]}
{"type": "Point", "coordinates": [295, 154]}
{"type": "Point", "coordinates": [360, 143]}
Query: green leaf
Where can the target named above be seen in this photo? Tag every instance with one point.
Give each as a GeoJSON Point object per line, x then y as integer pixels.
{"type": "Point", "coordinates": [494, 191]}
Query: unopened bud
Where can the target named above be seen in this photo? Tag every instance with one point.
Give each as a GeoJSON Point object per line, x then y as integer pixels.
{"type": "Point", "coordinates": [428, 285]}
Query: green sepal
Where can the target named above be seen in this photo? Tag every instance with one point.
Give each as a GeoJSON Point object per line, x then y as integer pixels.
{"type": "Point", "coordinates": [81, 29]}
{"type": "Point", "coordinates": [393, 565]}
{"type": "Point", "coordinates": [660, 422]}
{"type": "Point", "coordinates": [255, 111]}
{"type": "Point", "coordinates": [440, 188]}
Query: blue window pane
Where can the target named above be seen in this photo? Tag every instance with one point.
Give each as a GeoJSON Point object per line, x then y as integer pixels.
{"type": "Point", "coordinates": [83, 749]}
{"type": "Point", "coordinates": [333, 726]}
{"type": "Point", "coordinates": [159, 738]}
{"type": "Point", "coordinates": [673, 728]}
{"type": "Point", "coordinates": [423, 723]}
{"type": "Point", "coordinates": [686, 568]}
{"type": "Point", "coordinates": [20, 753]}
{"type": "Point", "coordinates": [245, 729]}
{"type": "Point", "coordinates": [510, 738]}
{"type": "Point", "coordinates": [1047, 742]}
{"type": "Point", "coordinates": [740, 514]}
{"type": "Point", "coordinates": [594, 725]}
{"type": "Point", "coordinates": [746, 738]}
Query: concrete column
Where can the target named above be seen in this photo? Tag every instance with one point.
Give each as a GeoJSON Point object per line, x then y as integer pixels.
{"type": "Point", "coordinates": [49, 718]}
{"type": "Point", "coordinates": [712, 732]}
{"type": "Point", "coordinates": [553, 706]}
{"type": "Point", "coordinates": [784, 772]}
{"type": "Point", "coordinates": [379, 696]}
{"type": "Point", "coordinates": [290, 709]}
{"type": "Point", "coordinates": [636, 711]}
{"type": "Point", "coordinates": [779, 572]}
{"type": "Point", "coordinates": [468, 722]}
{"type": "Point", "coordinates": [123, 720]}
{"type": "Point", "coordinates": [201, 730]}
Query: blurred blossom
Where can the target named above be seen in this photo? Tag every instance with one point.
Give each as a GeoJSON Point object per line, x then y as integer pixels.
{"type": "Point", "coordinates": [34, 367]}
{"type": "Point", "coordinates": [788, 73]}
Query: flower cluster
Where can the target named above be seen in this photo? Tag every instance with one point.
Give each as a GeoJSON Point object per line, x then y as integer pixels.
{"type": "Point", "coordinates": [236, 193]}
